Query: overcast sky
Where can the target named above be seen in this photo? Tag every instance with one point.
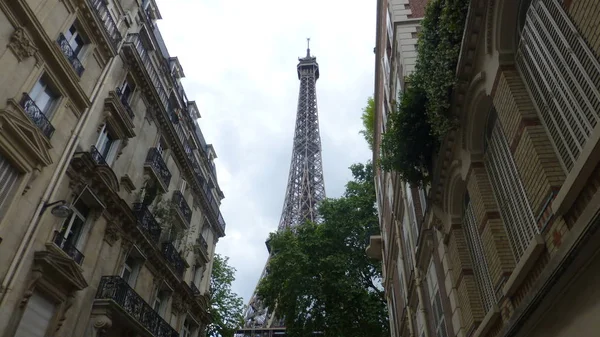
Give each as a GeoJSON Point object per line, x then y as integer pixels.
{"type": "Point", "coordinates": [240, 58]}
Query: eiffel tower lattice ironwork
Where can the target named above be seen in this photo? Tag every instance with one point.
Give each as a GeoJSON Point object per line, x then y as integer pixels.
{"type": "Point", "coordinates": [305, 189]}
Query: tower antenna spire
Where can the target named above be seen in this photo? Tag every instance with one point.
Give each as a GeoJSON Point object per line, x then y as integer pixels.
{"type": "Point", "coordinates": [308, 47]}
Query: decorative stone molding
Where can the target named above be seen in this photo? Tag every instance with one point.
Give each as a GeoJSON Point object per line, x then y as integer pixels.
{"type": "Point", "coordinates": [21, 45]}
{"type": "Point", "coordinates": [101, 324]}
{"type": "Point", "coordinates": [66, 307]}
{"type": "Point", "coordinates": [127, 183]}
{"type": "Point", "coordinates": [112, 232]}
{"type": "Point", "coordinates": [34, 174]}
{"type": "Point", "coordinates": [36, 274]}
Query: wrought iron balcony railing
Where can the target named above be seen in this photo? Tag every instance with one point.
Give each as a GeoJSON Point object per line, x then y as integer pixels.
{"type": "Point", "coordinates": [69, 53]}
{"type": "Point", "coordinates": [125, 103]}
{"type": "Point", "coordinates": [97, 156]}
{"type": "Point", "coordinates": [221, 222]}
{"type": "Point", "coordinates": [156, 162]}
{"type": "Point", "coordinates": [195, 290]}
{"type": "Point", "coordinates": [101, 11]}
{"type": "Point", "coordinates": [171, 254]}
{"type": "Point", "coordinates": [136, 41]}
{"type": "Point", "coordinates": [146, 221]}
{"type": "Point", "coordinates": [68, 247]}
{"type": "Point", "coordinates": [182, 206]}
{"type": "Point", "coordinates": [37, 116]}
{"type": "Point", "coordinates": [116, 289]}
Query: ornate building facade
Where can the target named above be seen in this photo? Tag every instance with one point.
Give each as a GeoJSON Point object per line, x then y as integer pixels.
{"type": "Point", "coordinates": [109, 200]}
{"type": "Point", "coordinates": [504, 240]}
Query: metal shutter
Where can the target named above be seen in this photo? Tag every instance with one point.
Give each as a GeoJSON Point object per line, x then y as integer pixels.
{"type": "Point", "coordinates": [8, 178]}
{"type": "Point", "coordinates": [480, 265]}
{"type": "Point", "coordinates": [563, 76]}
{"type": "Point", "coordinates": [36, 318]}
{"type": "Point", "coordinates": [509, 192]}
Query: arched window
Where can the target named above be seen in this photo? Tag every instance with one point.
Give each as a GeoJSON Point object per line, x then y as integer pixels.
{"type": "Point", "coordinates": [478, 259]}
{"type": "Point", "coordinates": [508, 188]}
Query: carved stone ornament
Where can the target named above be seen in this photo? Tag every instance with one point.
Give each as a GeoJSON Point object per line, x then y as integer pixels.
{"type": "Point", "coordinates": [178, 306]}
{"type": "Point", "coordinates": [21, 45]}
{"type": "Point", "coordinates": [67, 306]}
{"type": "Point", "coordinates": [112, 232]}
{"type": "Point", "coordinates": [36, 274]}
{"type": "Point", "coordinates": [101, 324]}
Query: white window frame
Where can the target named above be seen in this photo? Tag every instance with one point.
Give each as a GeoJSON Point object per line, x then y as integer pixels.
{"type": "Point", "coordinates": [82, 236]}
{"type": "Point", "coordinates": [9, 180]}
{"type": "Point", "coordinates": [439, 319]}
{"type": "Point", "coordinates": [133, 270]}
{"type": "Point", "coordinates": [113, 147]}
{"type": "Point", "coordinates": [42, 87]}
{"type": "Point", "coordinates": [72, 37]}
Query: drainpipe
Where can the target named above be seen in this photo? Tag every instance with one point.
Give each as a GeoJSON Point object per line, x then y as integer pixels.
{"type": "Point", "coordinates": [421, 296]}
{"type": "Point", "coordinates": [55, 181]}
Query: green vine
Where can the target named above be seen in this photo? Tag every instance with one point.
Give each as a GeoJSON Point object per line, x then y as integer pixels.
{"type": "Point", "coordinates": [423, 116]}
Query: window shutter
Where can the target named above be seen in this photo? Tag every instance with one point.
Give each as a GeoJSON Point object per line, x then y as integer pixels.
{"type": "Point", "coordinates": [36, 318]}
{"type": "Point", "coordinates": [563, 76]}
{"type": "Point", "coordinates": [8, 178]}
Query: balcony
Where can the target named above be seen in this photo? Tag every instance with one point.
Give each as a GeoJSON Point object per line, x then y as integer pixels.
{"type": "Point", "coordinates": [125, 102]}
{"type": "Point", "coordinates": [147, 222]}
{"type": "Point", "coordinates": [103, 15]}
{"type": "Point", "coordinates": [117, 292]}
{"type": "Point", "coordinates": [37, 116]}
{"type": "Point", "coordinates": [182, 207]}
{"type": "Point", "coordinates": [195, 289]}
{"type": "Point", "coordinates": [67, 247]}
{"type": "Point", "coordinates": [157, 165]}
{"type": "Point", "coordinates": [171, 254]}
{"type": "Point", "coordinates": [97, 156]}
{"type": "Point", "coordinates": [69, 53]}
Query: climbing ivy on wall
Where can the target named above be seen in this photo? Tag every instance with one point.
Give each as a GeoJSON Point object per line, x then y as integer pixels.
{"type": "Point", "coordinates": [423, 116]}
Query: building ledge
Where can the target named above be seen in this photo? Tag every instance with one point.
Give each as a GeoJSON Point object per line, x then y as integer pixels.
{"type": "Point", "coordinates": [527, 261]}
{"type": "Point", "coordinates": [488, 322]}
{"type": "Point", "coordinates": [374, 248]}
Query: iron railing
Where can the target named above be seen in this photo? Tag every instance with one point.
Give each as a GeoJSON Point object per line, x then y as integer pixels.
{"type": "Point", "coordinates": [68, 247]}
{"type": "Point", "coordinates": [37, 116]}
{"type": "Point", "coordinates": [171, 254]}
{"type": "Point", "coordinates": [125, 103]}
{"type": "Point", "coordinates": [195, 289]}
{"type": "Point", "coordinates": [136, 41]}
{"type": "Point", "coordinates": [69, 53]}
{"type": "Point", "coordinates": [97, 156]}
{"type": "Point", "coordinates": [182, 206]}
{"type": "Point", "coordinates": [155, 161]}
{"type": "Point", "coordinates": [101, 11]}
{"type": "Point", "coordinates": [147, 221]}
{"type": "Point", "coordinates": [116, 289]}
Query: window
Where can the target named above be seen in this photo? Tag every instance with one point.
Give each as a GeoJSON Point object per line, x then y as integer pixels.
{"type": "Point", "coordinates": [73, 228]}
{"type": "Point", "coordinates": [186, 330]}
{"type": "Point", "coordinates": [8, 180]}
{"type": "Point", "coordinates": [508, 189]}
{"type": "Point", "coordinates": [126, 91]}
{"type": "Point", "coordinates": [480, 265]}
{"type": "Point", "coordinates": [437, 311]}
{"type": "Point", "coordinates": [75, 39]}
{"type": "Point", "coordinates": [182, 186]}
{"type": "Point", "coordinates": [43, 95]}
{"type": "Point", "coordinates": [161, 146]}
{"type": "Point", "coordinates": [36, 319]}
{"type": "Point", "coordinates": [130, 270]}
{"type": "Point", "coordinates": [160, 301]}
{"type": "Point", "coordinates": [412, 215]}
{"type": "Point", "coordinates": [107, 145]}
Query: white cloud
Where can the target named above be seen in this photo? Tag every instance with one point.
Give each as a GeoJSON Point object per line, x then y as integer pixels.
{"type": "Point", "coordinates": [240, 61]}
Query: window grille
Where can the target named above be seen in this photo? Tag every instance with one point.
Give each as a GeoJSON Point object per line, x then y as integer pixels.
{"type": "Point", "coordinates": [480, 265]}
{"type": "Point", "coordinates": [563, 76]}
{"type": "Point", "coordinates": [508, 190]}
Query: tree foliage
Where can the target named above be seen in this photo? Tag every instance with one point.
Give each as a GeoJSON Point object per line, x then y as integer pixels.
{"type": "Point", "coordinates": [226, 307]}
{"type": "Point", "coordinates": [423, 116]}
{"type": "Point", "coordinates": [368, 120]}
{"type": "Point", "coordinates": [319, 276]}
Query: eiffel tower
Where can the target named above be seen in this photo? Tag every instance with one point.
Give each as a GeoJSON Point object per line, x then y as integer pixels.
{"type": "Point", "coordinates": [305, 189]}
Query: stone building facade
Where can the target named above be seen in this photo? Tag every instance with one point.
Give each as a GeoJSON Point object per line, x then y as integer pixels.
{"type": "Point", "coordinates": [109, 200]}
{"type": "Point", "coordinates": [504, 241]}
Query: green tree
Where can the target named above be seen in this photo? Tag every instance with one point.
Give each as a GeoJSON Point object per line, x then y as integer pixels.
{"type": "Point", "coordinates": [319, 276]}
{"type": "Point", "coordinates": [368, 120]}
{"type": "Point", "coordinates": [226, 307]}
